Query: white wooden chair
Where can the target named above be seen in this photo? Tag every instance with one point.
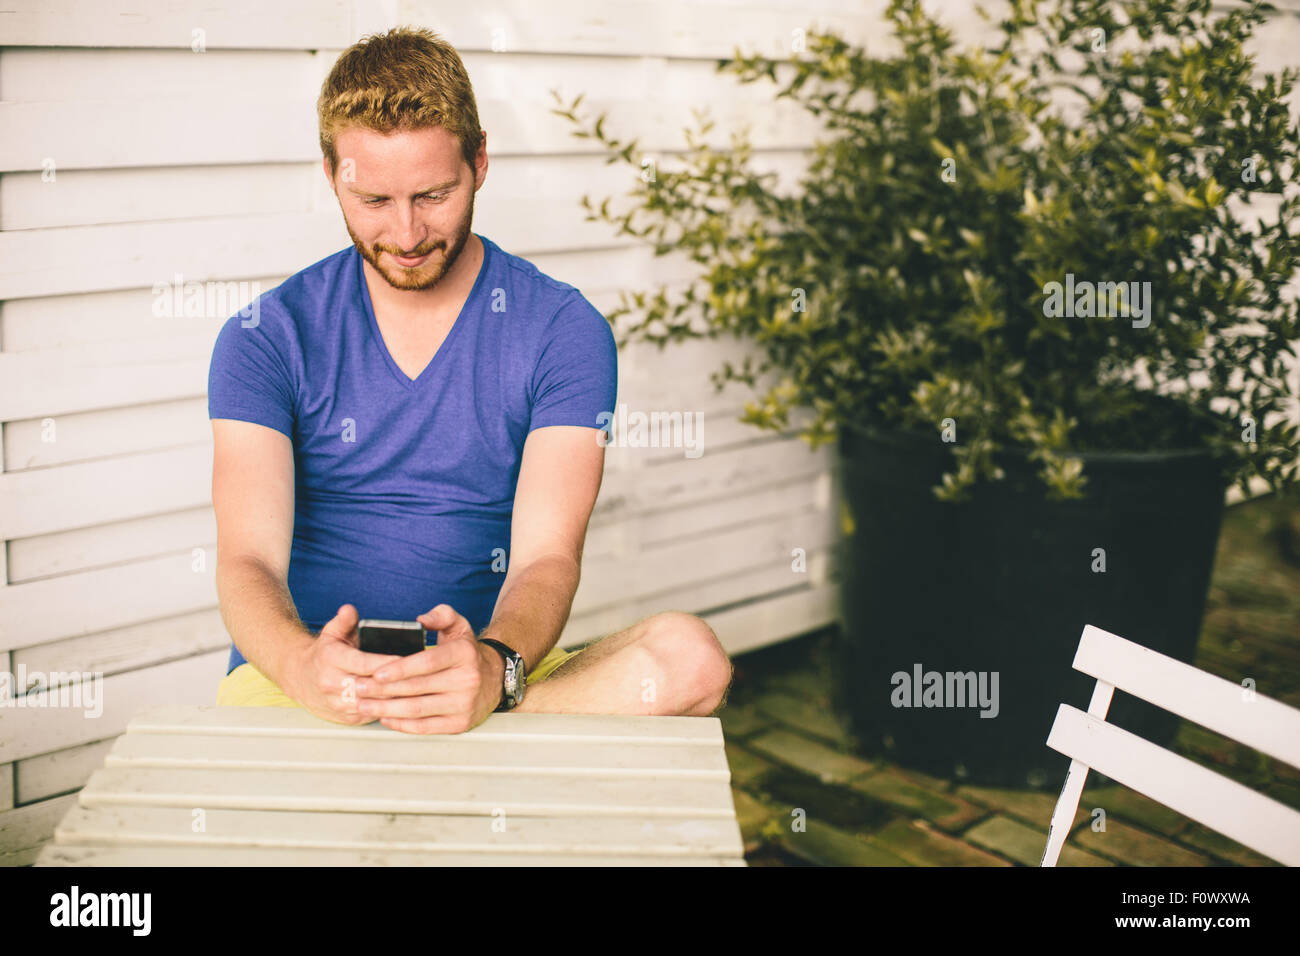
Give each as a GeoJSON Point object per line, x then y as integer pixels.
{"type": "Point", "coordinates": [1236, 811]}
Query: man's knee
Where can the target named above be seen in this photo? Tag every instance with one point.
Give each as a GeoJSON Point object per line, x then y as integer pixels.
{"type": "Point", "coordinates": [686, 647]}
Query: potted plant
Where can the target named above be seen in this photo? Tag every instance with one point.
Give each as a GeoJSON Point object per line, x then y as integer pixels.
{"type": "Point", "coordinates": [1018, 288]}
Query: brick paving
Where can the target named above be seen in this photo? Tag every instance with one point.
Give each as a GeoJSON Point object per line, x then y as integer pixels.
{"type": "Point", "coordinates": [805, 797]}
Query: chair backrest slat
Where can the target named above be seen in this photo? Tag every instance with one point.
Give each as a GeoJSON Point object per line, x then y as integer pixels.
{"type": "Point", "coordinates": [1236, 811]}
{"type": "Point", "coordinates": [1216, 704]}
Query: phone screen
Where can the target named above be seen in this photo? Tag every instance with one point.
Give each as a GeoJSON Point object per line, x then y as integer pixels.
{"type": "Point", "coordinates": [391, 637]}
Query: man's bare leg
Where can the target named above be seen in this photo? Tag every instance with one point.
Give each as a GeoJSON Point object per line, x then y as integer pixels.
{"type": "Point", "coordinates": [667, 664]}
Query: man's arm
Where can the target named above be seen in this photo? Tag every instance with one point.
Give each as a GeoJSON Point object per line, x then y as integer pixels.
{"type": "Point", "coordinates": [253, 499]}
{"type": "Point", "coordinates": [559, 478]}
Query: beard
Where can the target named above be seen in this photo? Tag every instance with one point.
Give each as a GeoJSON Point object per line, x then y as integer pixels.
{"type": "Point", "coordinates": [429, 273]}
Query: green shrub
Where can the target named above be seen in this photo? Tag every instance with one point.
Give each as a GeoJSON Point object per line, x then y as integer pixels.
{"type": "Point", "coordinates": [905, 281]}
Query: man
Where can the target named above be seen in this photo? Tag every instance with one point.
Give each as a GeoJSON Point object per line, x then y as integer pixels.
{"type": "Point", "coordinates": [405, 420]}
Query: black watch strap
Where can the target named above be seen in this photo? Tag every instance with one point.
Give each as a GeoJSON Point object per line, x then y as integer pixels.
{"type": "Point", "coordinates": [514, 680]}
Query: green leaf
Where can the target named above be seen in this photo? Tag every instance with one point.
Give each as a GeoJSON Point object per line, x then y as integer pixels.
{"type": "Point", "coordinates": [939, 148]}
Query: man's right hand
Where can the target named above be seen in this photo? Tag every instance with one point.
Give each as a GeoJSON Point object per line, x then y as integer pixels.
{"type": "Point", "coordinates": [322, 678]}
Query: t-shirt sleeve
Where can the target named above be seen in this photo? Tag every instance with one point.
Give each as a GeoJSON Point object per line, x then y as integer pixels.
{"type": "Point", "coordinates": [248, 378]}
{"type": "Point", "coordinates": [576, 378]}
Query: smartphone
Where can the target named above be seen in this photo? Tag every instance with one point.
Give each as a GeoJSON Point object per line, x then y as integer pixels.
{"type": "Point", "coordinates": [391, 637]}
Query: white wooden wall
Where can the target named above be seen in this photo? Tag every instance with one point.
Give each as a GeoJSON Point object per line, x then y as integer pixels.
{"type": "Point", "coordinates": [206, 164]}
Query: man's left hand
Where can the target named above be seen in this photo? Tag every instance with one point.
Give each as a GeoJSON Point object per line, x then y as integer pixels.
{"type": "Point", "coordinates": [448, 688]}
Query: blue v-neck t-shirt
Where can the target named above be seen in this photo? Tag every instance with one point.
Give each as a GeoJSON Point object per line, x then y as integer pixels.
{"type": "Point", "coordinates": [404, 488]}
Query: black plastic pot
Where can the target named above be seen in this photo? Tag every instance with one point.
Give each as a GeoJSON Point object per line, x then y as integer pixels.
{"type": "Point", "coordinates": [1004, 583]}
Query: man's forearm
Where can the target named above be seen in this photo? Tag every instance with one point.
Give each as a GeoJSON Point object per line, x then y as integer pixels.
{"type": "Point", "coordinates": [260, 617]}
{"type": "Point", "coordinates": [534, 606]}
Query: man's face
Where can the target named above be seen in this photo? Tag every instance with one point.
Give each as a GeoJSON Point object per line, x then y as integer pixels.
{"type": "Point", "coordinates": [407, 199]}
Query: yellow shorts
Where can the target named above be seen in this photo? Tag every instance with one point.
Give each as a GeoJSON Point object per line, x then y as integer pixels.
{"type": "Point", "coordinates": [246, 686]}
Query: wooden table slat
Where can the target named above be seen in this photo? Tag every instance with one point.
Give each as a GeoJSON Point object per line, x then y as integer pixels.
{"type": "Point", "coordinates": [289, 721]}
{"type": "Point", "coordinates": [55, 855]}
{"type": "Point", "coordinates": [489, 755]}
{"type": "Point", "coordinates": [384, 792]}
{"type": "Point", "coordinates": [175, 826]}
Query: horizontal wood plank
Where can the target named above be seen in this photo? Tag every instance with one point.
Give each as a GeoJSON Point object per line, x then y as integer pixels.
{"type": "Point", "coordinates": [55, 855]}
{"type": "Point", "coordinates": [30, 730]}
{"type": "Point", "coordinates": [24, 830]}
{"type": "Point", "coordinates": [774, 619]}
{"type": "Point", "coordinates": [134, 255]}
{"type": "Point", "coordinates": [70, 73]}
{"type": "Point", "coordinates": [725, 552]}
{"type": "Point", "coordinates": [679, 482]}
{"type": "Point", "coordinates": [140, 194]}
{"type": "Point", "coordinates": [534, 728]}
{"type": "Point", "coordinates": [240, 23]}
{"type": "Point", "coordinates": [617, 538]}
{"type": "Point", "coordinates": [54, 609]}
{"type": "Point", "coordinates": [130, 648]}
{"type": "Point", "coordinates": [755, 599]}
{"type": "Point", "coordinates": [388, 792]}
{"type": "Point", "coordinates": [678, 28]}
{"type": "Point", "coordinates": [745, 626]}
{"type": "Point", "coordinates": [399, 832]}
{"type": "Point", "coordinates": [440, 755]}
{"type": "Point", "coordinates": [52, 774]}
{"type": "Point", "coordinates": [80, 320]}
{"type": "Point", "coordinates": [79, 378]}
{"type": "Point", "coordinates": [76, 437]}
{"type": "Point", "coordinates": [112, 542]}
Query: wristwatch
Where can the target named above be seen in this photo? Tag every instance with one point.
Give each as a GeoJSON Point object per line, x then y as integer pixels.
{"type": "Point", "coordinates": [514, 681]}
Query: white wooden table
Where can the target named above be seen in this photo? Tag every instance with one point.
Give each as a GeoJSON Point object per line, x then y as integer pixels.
{"type": "Point", "coordinates": [272, 786]}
